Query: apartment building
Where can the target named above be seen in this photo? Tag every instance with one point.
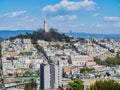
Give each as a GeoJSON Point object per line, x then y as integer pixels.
{"type": "Point", "coordinates": [50, 76]}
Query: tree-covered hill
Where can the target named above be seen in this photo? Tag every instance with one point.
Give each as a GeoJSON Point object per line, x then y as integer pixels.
{"type": "Point", "coordinates": [52, 35]}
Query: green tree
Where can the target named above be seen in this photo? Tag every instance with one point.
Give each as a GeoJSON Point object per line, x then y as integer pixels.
{"type": "Point", "coordinates": [49, 61]}
{"type": "Point", "coordinates": [39, 48]}
{"type": "Point", "coordinates": [27, 73]}
{"type": "Point", "coordinates": [76, 84]}
{"type": "Point", "coordinates": [1, 71]}
{"type": "Point", "coordinates": [37, 72]}
{"type": "Point", "coordinates": [105, 85]}
{"type": "Point", "coordinates": [83, 70]}
{"type": "Point", "coordinates": [16, 74]}
{"type": "Point", "coordinates": [33, 84]}
{"type": "Point", "coordinates": [118, 55]}
{"type": "Point", "coordinates": [52, 35]}
{"type": "Point", "coordinates": [110, 61]}
{"type": "Point", "coordinates": [28, 87]}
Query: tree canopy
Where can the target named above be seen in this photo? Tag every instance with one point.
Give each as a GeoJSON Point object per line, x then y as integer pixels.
{"type": "Point", "coordinates": [39, 48]}
{"type": "Point", "coordinates": [52, 35]}
{"type": "Point", "coordinates": [110, 61]}
{"type": "Point", "coordinates": [76, 84]}
{"type": "Point", "coordinates": [83, 70]}
{"type": "Point", "coordinates": [105, 85]}
{"type": "Point", "coordinates": [31, 86]}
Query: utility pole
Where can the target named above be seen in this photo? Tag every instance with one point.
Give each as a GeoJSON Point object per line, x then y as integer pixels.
{"type": "Point", "coordinates": [2, 86]}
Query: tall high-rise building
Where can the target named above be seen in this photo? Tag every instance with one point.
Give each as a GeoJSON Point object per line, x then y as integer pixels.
{"type": "Point", "coordinates": [44, 76]}
{"type": "Point", "coordinates": [45, 25]}
{"type": "Point", "coordinates": [50, 76]}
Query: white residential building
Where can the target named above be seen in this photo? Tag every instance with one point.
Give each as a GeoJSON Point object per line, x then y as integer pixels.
{"type": "Point", "coordinates": [79, 60]}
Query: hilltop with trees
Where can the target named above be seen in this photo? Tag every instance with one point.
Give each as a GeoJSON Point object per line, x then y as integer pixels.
{"type": "Point", "coordinates": [40, 34]}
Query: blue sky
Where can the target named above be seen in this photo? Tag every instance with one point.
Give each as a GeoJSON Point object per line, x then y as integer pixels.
{"type": "Point", "coordinates": [91, 16]}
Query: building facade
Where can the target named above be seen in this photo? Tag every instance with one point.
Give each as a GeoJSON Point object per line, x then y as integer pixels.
{"type": "Point", "coordinates": [50, 76]}
{"type": "Point", "coordinates": [44, 76]}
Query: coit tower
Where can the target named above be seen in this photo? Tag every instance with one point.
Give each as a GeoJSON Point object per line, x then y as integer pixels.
{"type": "Point", "coordinates": [45, 26]}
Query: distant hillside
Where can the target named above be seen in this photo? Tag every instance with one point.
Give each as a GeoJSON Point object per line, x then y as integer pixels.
{"type": "Point", "coordinates": [8, 33]}
{"type": "Point", "coordinates": [92, 35]}
{"type": "Point", "coordinates": [1, 39]}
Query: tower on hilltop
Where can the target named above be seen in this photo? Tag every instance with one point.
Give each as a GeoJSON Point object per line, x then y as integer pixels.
{"type": "Point", "coordinates": [45, 25]}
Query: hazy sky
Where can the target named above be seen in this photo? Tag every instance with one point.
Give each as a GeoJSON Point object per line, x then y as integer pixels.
{"type": "Point", "coordinates": [92, 16]}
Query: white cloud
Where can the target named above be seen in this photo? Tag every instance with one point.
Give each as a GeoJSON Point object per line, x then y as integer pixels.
{"type": "Point", "coordinates": [32, 20]}
{"type": "Point", "coordinates": [27, 24]}
{"type": "Point", "coordinates": [15, 14]}
{"type": "Point", "coordinates": [71, 6]}
{"type": "Point", "coordinates": [116, 24]}
{"type": "Point", "coordinates": [96, 14]}
{"type": "Point", "coordinates": [18, 20]}
{"type": "Point", "coordinates": [65, 17]}
{"type": "Point", "coordinates": [111, 18]}
{"type": "Point", "coordinates": [78, 25]}
{"type": "Point", "coordinates": [82, 25]}
{"type": "Point", "coordinates": [71, 17]}
{"type": "Point", "coordinates": [23, 18]}
{"type": "Point", "coordinates": [98, 25]}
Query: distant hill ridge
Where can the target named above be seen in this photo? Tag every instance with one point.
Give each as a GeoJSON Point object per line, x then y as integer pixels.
{"type": "Point", "coordinates": [10, 33]}
{"type": "Point", "coordinates": [1, 39]}
{"type": "Point", "coordinates": [93, 35]}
